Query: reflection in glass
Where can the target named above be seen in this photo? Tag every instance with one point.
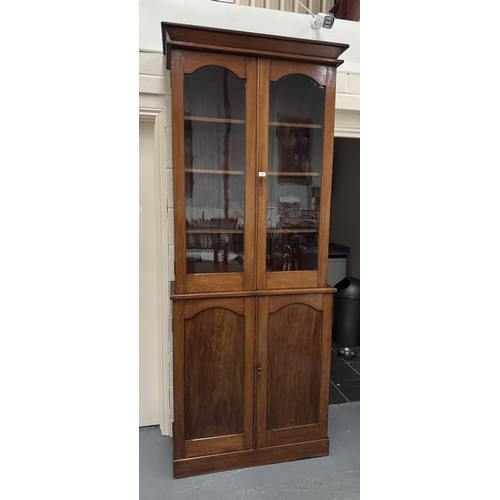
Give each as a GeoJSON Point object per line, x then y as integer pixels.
{"type": "Point", "coordinates": [214, 92]}
{"type": "Point", "coordinates": [292, 251]}
{"type": "Point", "coordinates": [214, 140]}
{"type": "Point", "coordinates": [292, 224]}
{"type": "Point", "coordinates": [295, 149]}
{"type": "Point", "coordinates": [298, 97]}
{"type": "Point", "coordinates": [296, 116]}
{"type": "Point", "coordinates": [215, 223]}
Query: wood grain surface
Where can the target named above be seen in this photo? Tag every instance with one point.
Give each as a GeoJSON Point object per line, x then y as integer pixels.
{"type": "Point", "coordinates": [294, 366]}
{"type": "Point", "coordinates": [214, 374]}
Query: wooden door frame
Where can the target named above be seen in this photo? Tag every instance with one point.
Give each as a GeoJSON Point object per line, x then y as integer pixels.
{"type": "Point", "coordinates": [271, 70]}
{"type": "Point", "coordinates": [267, 305]}
{"type": "Point", "coordinates": [244, 306]}
{"type": "Point", "coordinates": [152, 110]}
{"type": "Point", "coordinates": [186, 63]}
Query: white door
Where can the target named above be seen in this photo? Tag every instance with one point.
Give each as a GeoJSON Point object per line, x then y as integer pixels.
{"type": "Point", "coordinates": [148, 281]}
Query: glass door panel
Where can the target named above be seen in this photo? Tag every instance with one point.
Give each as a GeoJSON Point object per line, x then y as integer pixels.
{"type": "Point", "coordinates": [214, 157]}
{"type": "Point", "coordinates": [296, 115]}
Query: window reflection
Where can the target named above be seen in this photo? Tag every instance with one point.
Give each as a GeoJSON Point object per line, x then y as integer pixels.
{"type": "Point", "coordinates": [296, 116]}
{"type": "Point", "coordinates": [214, 133]}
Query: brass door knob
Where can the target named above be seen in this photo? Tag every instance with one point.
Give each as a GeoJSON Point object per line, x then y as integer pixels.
{"type": "Point", "coordinates": [259, 370]}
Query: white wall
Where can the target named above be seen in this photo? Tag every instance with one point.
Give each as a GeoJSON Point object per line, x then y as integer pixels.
{"type": "Point", "coordinates": [243, 18]}
{"type": "Point", "coordinates": [149, 413]}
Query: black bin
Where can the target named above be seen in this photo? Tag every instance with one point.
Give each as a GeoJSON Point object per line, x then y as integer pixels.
{"type": "Point", "coordinates": [346, 316]}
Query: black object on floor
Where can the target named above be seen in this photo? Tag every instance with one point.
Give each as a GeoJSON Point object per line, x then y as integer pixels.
{"type": "Point", "coordinates": [346, 316]}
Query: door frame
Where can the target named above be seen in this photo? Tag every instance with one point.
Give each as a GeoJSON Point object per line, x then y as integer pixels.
{"type": "Point", "coordinates": [152, 110]}
{"type": "Point", "coordinates": [266, 306]}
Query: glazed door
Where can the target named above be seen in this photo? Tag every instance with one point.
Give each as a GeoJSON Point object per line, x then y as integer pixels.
{"type": "Point", "coordinates": [293, 364]}
{"type": "Point", "coordinates": [213, 376]}
{"type": "Point", "coordinates": [296, 112]}
{"type": "Point", "coordinates": [214, 109]}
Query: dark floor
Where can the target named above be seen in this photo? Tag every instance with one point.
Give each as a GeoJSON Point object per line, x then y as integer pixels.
{"type": "Point", "coordinates": [344, 377]}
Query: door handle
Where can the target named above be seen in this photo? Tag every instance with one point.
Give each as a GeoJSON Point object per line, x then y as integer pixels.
{"type": "Point", "coordinates": [259, 370]}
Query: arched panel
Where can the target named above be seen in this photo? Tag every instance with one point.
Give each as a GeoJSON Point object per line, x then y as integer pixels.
{"type": "Point", "coordinates": [299, 97]}
{"type": "Point", "coordinates": [214, 91]}
{"type": "Point", "coordinates": [214, 387]}
{"type": "Point", "coordinates": [195, 60]}
{"type": "Point", "coordinates": [279, 69]}
{"type": "Point", "coordinates": [315, 301]}
{"type": "Point", "coordinates": [193, 307]}
{"type": "Point", "coordinates": [294, 365]}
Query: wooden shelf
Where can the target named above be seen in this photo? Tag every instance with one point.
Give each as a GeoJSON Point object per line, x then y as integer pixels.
{"type": "Point", "coordinates": [296, 174]}
{"type": "Point", "coordinates": [298, 125]}
{"type": "Point", "coordinates": [291, 230]}
{"type": "Point", "coordinates": [214, 231]}
{"type": "Point", "coordinates": [210, 171]}
{"type": "Point", "coordinates": [208, 119]}
{"type": "Point", "coordinates": [213, 120]}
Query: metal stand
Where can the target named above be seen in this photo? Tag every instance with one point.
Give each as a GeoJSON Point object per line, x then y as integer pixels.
{"type": "Point", "coordinates": [347, 353]}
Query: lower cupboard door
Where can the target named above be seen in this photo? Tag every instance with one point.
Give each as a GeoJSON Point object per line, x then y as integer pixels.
{"type": "Point", "coordinates": [213, 376]}
{"type": "Point", "coordinates": [293, 357]}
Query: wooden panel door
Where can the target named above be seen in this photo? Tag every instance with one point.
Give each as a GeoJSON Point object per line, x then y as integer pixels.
{"type": "Point", "coordinates": [295, 154]}
{"type": "Point", "coordinates": [293, 363]}
{"type": "Point", "coordinates": [213, 376]}
{"type": "Point", "coordinates": [214, 146]}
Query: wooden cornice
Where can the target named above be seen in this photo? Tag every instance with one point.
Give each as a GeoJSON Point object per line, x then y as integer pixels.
{"type": "Point", "coordinates": [244, 43]}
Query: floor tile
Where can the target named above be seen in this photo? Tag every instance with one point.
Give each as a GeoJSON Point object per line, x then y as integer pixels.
{"type": "Point", "coordinates": [336, 358]}
{"type": "Point", "coordinates": [342, 371]}
{"type": "Point", "coordinates": [336, 397]}
{"type": "Point", "coordinates": [349, 388]}
{"type": "Point", "coordinates": [355, 366]}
